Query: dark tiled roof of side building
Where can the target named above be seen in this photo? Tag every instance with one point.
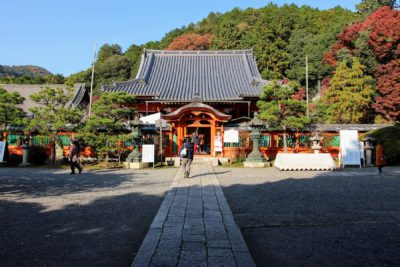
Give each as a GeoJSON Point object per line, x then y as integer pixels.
{"type": "Point", "coordinates": [26, 90]}
{"type": "Point", "coordinates": [185, 75]}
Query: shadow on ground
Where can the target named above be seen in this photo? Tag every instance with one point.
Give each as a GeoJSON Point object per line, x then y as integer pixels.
{"type": "Point", "coordinates": [329, 219]}
{"type": "Point", "coordinates": [286, 218]}
{"type": "Point", "coordinates": [101, 231]}
{"type": "Point", "coordinates": [37, 182]}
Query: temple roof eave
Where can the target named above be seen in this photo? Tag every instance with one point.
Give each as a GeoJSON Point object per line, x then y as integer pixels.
{"type": "Point", "coordinates": [177, 114]}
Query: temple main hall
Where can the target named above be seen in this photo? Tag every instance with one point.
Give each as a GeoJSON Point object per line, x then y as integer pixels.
{"type": "Point", "coordinates": [201, 92]}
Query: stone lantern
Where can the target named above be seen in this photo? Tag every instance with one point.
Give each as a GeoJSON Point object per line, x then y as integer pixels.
{"type": "Point", "coordinates": [316, 143]}
{"type": "Point", "coordinates": [368, 147]}
{"type": "Point", "coordinates": [255, 158]}
{"type": "Point", "coordinates": [136, 155]}
{"type": "Point", "coordinates": [25, 148]}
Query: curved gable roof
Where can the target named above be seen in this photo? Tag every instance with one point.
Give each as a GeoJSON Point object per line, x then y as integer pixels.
{"type": "Point", "coordinates": [182, 75]}
{"type": "Point", "coordinates": [198, 107]}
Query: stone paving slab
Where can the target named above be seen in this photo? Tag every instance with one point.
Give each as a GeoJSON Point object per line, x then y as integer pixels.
{"type": "Point", "coordinates": [194, 226]}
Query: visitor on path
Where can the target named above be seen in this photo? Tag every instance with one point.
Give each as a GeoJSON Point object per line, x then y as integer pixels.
{"type": "Point", "coordinates": [380, 160]}
{"type": "Point", "coordinates": [74, 156]}
{"type": "Point", "coordinates": [186, 154]}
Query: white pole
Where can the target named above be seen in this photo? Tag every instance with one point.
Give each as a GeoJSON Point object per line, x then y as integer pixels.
{"type": "Point", "coordinates": [161, 144]}
{"type": "Point", "coordinates": [308, 112]}
{"type": "Point", "coordinates": [91, 83]}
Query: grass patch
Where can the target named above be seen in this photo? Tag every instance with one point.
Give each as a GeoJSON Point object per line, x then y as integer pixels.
{"type": "Point", "coordinates": [238, 164]}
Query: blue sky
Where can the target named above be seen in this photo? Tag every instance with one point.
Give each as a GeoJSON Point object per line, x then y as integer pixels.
{"type": "Point", "coordinates": [60, 35]}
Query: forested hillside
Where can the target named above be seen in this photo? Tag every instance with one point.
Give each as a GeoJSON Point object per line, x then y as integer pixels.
{"type": "Point", "coordinates": [28, 74]}
{"type": "Point", "coordinates": [363, 47]}
{"type": "Point", "coordinates": [27, 70]}
{"type": "Point", "coordinates": [280, 38]}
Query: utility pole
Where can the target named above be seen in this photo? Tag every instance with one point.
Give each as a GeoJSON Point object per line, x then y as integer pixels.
{"type": "Point", "coordinates": [308, 111]}
{"type": "Point", "coordinates": [161, 161]}
{"type": "Point", "coordinates": [91, 83]}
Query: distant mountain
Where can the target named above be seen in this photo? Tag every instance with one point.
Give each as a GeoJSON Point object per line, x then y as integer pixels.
{"type": "Point", "coordinates": [25, 70]}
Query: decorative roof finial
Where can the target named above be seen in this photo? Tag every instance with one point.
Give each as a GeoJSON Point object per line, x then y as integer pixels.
{"type": "Point", "coordinates": [197, 98]}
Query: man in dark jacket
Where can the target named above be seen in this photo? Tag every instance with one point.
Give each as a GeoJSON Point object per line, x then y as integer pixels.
{"type": "Point", "coordinates": [186, 158]}
{"type": "Point", "coordinates": [74, 156]}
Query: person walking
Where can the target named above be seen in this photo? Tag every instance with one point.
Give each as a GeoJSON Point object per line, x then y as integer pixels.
{"type": "Point", "coordinates": [74, 151]}
{"type": "Point", "coordinates": [186, 154]}
{"type": "Point", "coordinates": [380, 159]}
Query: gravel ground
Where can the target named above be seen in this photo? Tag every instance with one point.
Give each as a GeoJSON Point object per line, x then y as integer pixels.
{"type": "Point", "coordinates": [98, 218]}
{"type": "Point", "coordinates": [344, 218]}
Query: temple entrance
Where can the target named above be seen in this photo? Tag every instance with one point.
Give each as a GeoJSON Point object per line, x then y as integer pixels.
{"type": "Point", "coordinates": [203, 142]}
{"type": "Point", "coordinates": [201, 119]}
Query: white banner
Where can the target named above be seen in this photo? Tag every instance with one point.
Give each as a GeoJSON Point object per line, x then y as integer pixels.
{"type": "Point", "coordinates": [350, 147]}
{"type": "Point", "coordinates": [148, 153]}
{"type": "Point", "coordinates": [2, 150]}
{"type": "Point", "coordinates": [231, 136]}
{"type": "Point", "coordinates": [218, 144]}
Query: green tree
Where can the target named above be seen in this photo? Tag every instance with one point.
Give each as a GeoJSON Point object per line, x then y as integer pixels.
{"type": "Point", "coordinates": [313, 35]}
{"type": "Point", "coordinates": [350, 94]}
{"type": "Point", "coordinates": [116, 68]}
{"type": "Point", "coordinates": [279, 110]}
{"type": "Point", "coordinates": [105, 128]}
{"type": "Point", "coordinates": [133, 54]}
{"type": "Point", "coordinates": [367, 7]}
{"type": "Point", "coordinates": [106, 51]}
{"type": "Point", "coordinates": [10, 113]}
{"type": "Point", "coordinates": [54, 114]}
{"type": "Point", "coordinates": [79, 77]}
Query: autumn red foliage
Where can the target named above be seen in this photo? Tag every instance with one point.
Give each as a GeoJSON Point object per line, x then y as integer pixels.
{"type": "Point", "coordinates": [388, 81]}
{"type": "Point", "coordinates": [300, 94]}
{"type": "Point", "coordinates": [191, 41]}
{"type": "Point", "coordinates": [383, 28]}
{"type": "Point", "coordinates": [350, 33]}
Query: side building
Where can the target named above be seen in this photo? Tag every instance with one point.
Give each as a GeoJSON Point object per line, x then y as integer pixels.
{"type": "Point", "coordinates": [15, 136]}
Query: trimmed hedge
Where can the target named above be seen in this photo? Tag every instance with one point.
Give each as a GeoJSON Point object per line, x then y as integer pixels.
{"type": "Point", "coordinates": [390, 137]}
{"type": "Point", "coordinates": [37, 155]}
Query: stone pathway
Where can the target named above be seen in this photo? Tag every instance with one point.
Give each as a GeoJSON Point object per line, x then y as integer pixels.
{"type": "Point", "coordinates": [194, 226]}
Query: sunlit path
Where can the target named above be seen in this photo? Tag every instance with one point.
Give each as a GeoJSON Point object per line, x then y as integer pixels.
{"type": "Point", "coordinates": [194, 226]}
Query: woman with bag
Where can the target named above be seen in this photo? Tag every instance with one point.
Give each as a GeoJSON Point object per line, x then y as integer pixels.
{"type": "Point", "coordinates": [186, 154]}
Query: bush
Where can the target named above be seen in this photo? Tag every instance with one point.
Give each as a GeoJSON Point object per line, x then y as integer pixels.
{"type": "Point", "coordinates": [14, 159]}
{"type": "Point", "coordinates": [390, 137]}
{"type": "Point", "coordinates": [37, 155]}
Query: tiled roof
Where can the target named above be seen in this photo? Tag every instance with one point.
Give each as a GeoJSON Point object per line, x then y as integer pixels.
{"type": "Point", "coordinates": [183, 75]}
{"type": "Point", "coordinates": [338, 127]}
{"type": "Point", "coordinates": [25, 90]}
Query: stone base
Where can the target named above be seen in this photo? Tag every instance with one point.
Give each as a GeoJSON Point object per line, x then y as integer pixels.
{"type": "Point", "coordinates": [26, 164]}
{"type": "Point", "coordinates": [223, 161]}
{"type": "Point", "coordinates": [250, 164]}
{"type": "Point", "coordinates": [136, 165]}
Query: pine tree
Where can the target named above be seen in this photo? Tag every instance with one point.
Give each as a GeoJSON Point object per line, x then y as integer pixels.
{"type": "Point", "coordinates": [350, 94]}
{"type": "Point", "coordinates": [10, 113]}
{"type": "Point", "coordinates": [104, 130]}
{"type": "Point", "coordinates": [54, 114]}
{"type": "Point", "coordinates": [280, 110]}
